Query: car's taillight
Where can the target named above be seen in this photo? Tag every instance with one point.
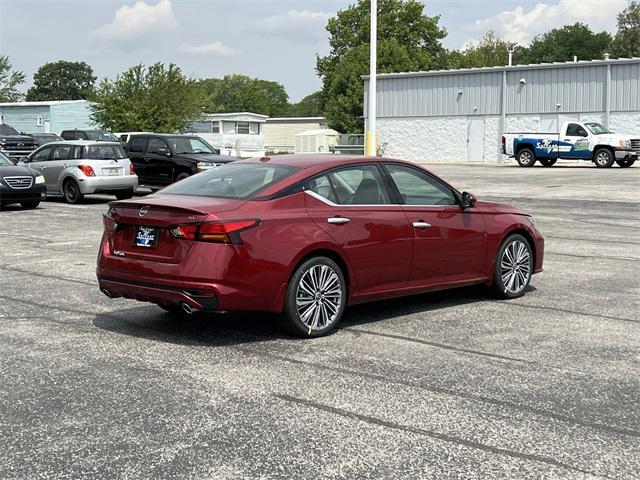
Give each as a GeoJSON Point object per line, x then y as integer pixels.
{"type": "Point", "coordinates": [215, 232]}
{"type": "Point", "coordinates": [87, 170]}
{"type": "Point", "coordinates": [132, 170]}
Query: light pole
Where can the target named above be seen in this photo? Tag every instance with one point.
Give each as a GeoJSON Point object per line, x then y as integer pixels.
{"type": "Point", "coordinates": [371, 141]}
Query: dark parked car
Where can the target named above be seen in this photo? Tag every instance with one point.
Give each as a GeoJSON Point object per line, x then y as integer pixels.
{"type": "Point", "coordinates": [160, 160]}
{"type": "Point", "coordinates": [15, 145]}
{"type": "Point", "coordinates": [44, 138]}
{"type": "Point", "coordinates": [96, 135]}
{"type": "Point", "coordinates": [306, 236]}
{"type": "Point", "coordinates": [20, 184]}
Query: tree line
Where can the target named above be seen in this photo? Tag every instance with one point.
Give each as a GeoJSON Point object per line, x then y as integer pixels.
{"type": "Point", "coordinates": [161, 98]}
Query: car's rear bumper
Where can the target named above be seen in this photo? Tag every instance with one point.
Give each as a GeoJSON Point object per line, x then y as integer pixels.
{"type": "Point", "coordinates": [203, 299]}
{"type": "Point", "coordinates": [106, 184]}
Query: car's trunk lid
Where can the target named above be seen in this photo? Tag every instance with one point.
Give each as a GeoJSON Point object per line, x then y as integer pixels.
{"type": "Point", "coordinates": [143, 226]}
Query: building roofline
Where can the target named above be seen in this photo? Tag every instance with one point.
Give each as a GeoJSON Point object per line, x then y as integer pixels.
{"type": "Point", "coordinates": [284, 119]}
{"type": "Point", "coordinates": [235, 114]}
{"type": "Point", "coordinates": [40, 104]}
{"type": "Point", "coordinates": [501, 68]}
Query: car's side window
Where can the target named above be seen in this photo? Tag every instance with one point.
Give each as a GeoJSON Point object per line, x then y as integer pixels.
{"type": "Point", "coordinates": [419, 188]}
{"type": "Point", "coordinates": [77, 152]}
{"type": "Point", "coordinates": [63, 152]}
{"type": "Point", "coordinates": [136, 145]}
{"type": "Point", "coordinates": [575, 130]}
{"type": "Point", "coordinates": [156, 145]}
{"type": "Point", "coordinates": [42, 155]}
{"type": "Point", "coordinates": [359, 185]}
{"type": "Point", "coordinates": [322, 187]}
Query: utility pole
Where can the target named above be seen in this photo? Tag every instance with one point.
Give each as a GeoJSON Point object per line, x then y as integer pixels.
{"type": "Point", "coordinates": [371, 141]}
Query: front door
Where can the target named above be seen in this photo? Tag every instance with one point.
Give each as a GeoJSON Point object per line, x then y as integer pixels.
{"type": "Point", "coordinates": [475, 138]}
{"type": "Point", "coordinates": [60, 160]}
{"type": "Point", "coordinates": [158, 165]}
{"type": "Point", "coordinates": [575, 143]}
{"type": "Point", "coordinates": [40, 161]}
{"type": "Point", "coordinates": [449, 242]}
{"type": "Point", "coordinates": [352, 205]}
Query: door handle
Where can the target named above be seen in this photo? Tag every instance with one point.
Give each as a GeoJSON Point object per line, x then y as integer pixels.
{"type": "Point", "coordinates": [338, 220]}
{"type": "Point", "coordinates": [421, 224]}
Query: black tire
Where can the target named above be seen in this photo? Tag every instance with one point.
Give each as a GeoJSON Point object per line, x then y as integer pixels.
{"type": "Point", "coordinates": [548, 162]}
{"type": "Point", "coordinates": [625, 163]}
{"type": "Point", "coordinates": [526, 158]}
{"type": "Point", "coordinates": [330, 307]}
{"type": "Point", "coordinates": [603, 158]}
{"type": "Point", "coordinates": [30, 204]}
{"type": "Point", "coordinates": [71, 191]}
{"type": "Point", "coordinates": [182, 176]}
{"type": "Point", "coordinates": [125, 194]}
{"type": "Point", "coordinates": [505, 269]}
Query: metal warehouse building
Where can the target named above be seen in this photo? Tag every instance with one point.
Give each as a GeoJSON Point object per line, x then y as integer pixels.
{"type": "Point", "coordinates": [458, 114]}
{"type": "Point", "coordinates": [47, 117]}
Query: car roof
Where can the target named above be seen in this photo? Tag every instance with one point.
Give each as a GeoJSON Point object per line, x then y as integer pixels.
{"type": "Point", "coordinates": [82, 142]}
{"type": "Point", "coordinates": [319, 161]}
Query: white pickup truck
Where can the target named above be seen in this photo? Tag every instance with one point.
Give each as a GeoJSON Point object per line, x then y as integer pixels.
{"type": "Point", "coordinates": [576, 141]}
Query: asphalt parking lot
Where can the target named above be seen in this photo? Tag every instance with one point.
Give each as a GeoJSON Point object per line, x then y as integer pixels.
{"type": "Point", "coordinates": [446, 385]}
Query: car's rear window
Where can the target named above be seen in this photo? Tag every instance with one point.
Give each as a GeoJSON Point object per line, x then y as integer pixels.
{"type": "Point", "coordinates": [232, 180]}
{"type": "Point", "coordinates": [105, 152]}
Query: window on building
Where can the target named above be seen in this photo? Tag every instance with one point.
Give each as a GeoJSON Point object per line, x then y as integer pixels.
{"type": "Point", "coordinates": [242, 128]}
{"type": "Point", "coordinates": [215, 127]}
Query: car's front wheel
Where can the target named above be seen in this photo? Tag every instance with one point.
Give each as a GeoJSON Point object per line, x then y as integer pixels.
{"type": "Point", "coordinates": [514, 267]}
{"type": "Point", "coordinates": [603, 158]}
{"type": "Point", "coordinates": [316, 298]}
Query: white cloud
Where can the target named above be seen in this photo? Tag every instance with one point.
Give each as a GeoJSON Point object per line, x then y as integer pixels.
{"type": "Point", "coordinates": [213, 48]}
{"type": "Point", "coordinates": [520, 25]}
{"type": "Point", "coordinates": [132, 25]}
{"type": "Point", "coordinates": [296, 25]}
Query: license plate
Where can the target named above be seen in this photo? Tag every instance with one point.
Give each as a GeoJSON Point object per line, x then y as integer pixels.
{"type": "Point", "coordinates": [112, 172]}
{"type": "Point", "coordinates": [146, 237]}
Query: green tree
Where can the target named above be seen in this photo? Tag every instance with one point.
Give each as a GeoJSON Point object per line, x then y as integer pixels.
{"type": "Point", "coordinates": [309, 106]}
{"type": "Point", "coordinates": [490, 51]}
{"type": "Point", "coordinates": [62, 80]}
{"type": "Point", "coordinates": [157, 99]}
{"type": "Point", "coordinates": [9, 81]}
{"type": "Point", "coordinates": [239, 93]}
{"type": "Point", "coordinates": [407, 40]}
{"type": "Point", "coordinates": [627, 40]}
{"type": "Point", "coordinates": [561, 44]}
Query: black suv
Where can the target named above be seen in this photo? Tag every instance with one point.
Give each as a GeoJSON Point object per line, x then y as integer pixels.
{"type": "Point", "coordinates": [15, 145]}
{"type": "Point", "coordinates": [160, 160]}
{"type": "Point", "coordinates": [96, 135]}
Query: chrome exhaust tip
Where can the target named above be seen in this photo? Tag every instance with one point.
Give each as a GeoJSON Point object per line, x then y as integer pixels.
{"type": "Point", "coordinates": [186, 308]}
{"type": "Point", "coordinates": [106, 292]}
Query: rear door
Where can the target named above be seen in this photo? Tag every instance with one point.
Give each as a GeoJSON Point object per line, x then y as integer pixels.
{"type": "Point", "coordinates": [61, 159]}
{"type": "Point", "coordinates": [136, 150]}
{"type": "Point", "coordinates": [449, 243]}
{"type": "Point", "coordinates": [353, 206]}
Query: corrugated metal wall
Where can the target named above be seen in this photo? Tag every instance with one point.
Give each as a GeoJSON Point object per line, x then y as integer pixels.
{"type": "Point", "coordinates": [560, 88]}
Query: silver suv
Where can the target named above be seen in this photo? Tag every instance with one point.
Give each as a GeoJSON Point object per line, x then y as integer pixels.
{"type": "Point", "coordinates": [77, 168]}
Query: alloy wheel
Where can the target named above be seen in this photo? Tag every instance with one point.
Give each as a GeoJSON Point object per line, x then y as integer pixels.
{"type": "Point", "coordinates": [319, 297]}
{"type": "Point", "coordinates": [515, 267]}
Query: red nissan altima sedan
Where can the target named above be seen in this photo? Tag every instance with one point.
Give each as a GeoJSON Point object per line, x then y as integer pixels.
{"type": "Point", "coordinates": [305, 236]}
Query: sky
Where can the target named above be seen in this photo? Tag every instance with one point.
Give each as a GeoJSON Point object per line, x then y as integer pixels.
{"type": "Point", "coordinates": [271, 39]}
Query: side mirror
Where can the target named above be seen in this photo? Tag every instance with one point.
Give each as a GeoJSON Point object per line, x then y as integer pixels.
{"type": "Point", "coordinates": [163, 151]}
{"type": "Point", "coordinates": [468, 200]}
{"type": "Point", "coordinates": [583, 133]}
{"type": "Point", "coordinates": [22, 160]}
